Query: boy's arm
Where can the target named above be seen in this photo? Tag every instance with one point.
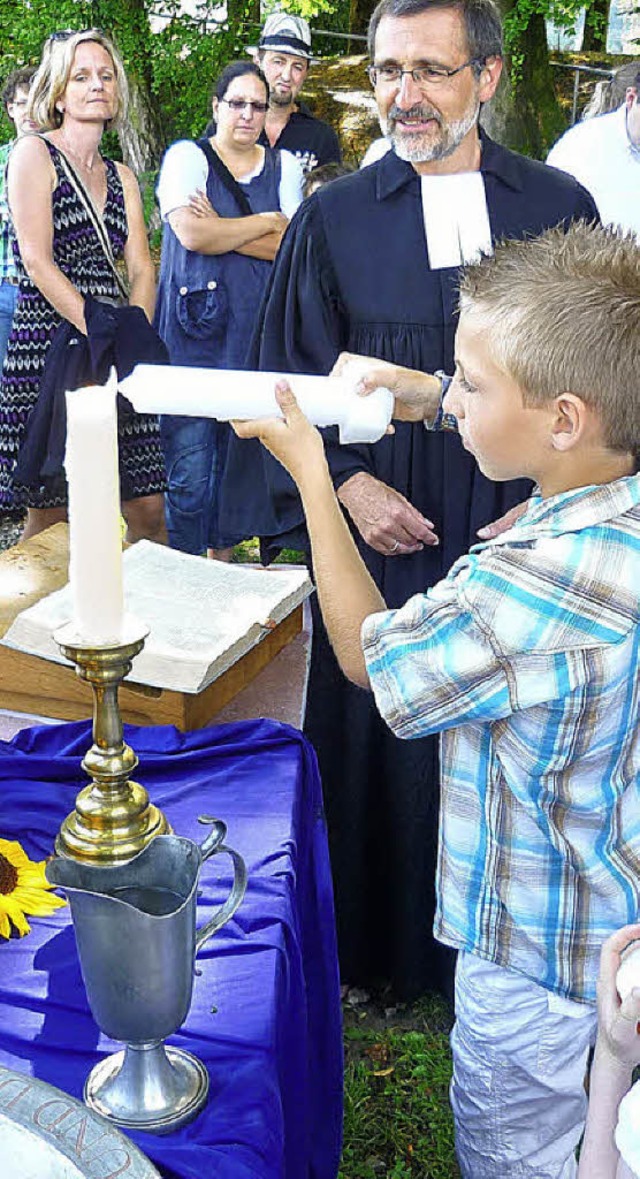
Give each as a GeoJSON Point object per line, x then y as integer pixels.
{"type": "Point", "coordinates": [346, 592]}
{"type": "Point", "coordinates": [616, 1055]}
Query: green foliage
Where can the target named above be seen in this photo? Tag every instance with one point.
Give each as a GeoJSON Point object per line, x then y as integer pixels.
{"type": "Point", "coordinates": [173, 55]}
{"type": "Point", "coordinates": [517, 20]}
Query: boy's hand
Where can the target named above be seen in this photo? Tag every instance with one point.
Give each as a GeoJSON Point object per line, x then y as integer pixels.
{"type": "Point", "coordinates": [294, 442]}
{"type": "Point", "coordinates": [618, 1021]}
{"type": "Point", "coordinates": [417, 395]}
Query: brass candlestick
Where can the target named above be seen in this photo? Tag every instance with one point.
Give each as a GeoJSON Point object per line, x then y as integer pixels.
{"type": "Point", "coordinates": [113, 818]}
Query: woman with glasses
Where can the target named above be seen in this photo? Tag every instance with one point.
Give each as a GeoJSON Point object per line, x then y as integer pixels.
{"type": "Point", "coordinates": [226, 203]}
{"type": "Point", "coordinates": [77, 215]}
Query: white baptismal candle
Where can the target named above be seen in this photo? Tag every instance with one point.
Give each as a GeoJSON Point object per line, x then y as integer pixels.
{"type": "Point", "coordinates": [230, 393]}
{"type": "Point", "coordinates": [95, 545]}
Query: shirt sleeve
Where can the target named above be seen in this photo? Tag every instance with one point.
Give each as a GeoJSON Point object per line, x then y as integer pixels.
{"type": "Point", "coordinates": [482, 644]}
{"type": "Point", "coordinates": [291, 181]}
{"type": "Point", "coordinates": [184, 171]}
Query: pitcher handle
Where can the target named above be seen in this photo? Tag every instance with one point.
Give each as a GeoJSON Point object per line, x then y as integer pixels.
{"type": "Point", "coordinates": [212, 845]}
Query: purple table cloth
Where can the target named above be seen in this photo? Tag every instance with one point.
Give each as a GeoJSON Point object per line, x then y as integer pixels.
{"type": "Point", "coordinates": [265, 1016]}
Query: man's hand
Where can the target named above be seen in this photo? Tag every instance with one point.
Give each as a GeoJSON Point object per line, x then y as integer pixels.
{"type": "Point", "coordinates": [417, 395]}
{"type": "Point", "coordinates": [384, 518]}
{"type": "Point", "coordinates": [294, 442]}
{"type": "Point", "coordinates": [618, 1021]}
{"type": "Point", "coordinates": [504, 523]}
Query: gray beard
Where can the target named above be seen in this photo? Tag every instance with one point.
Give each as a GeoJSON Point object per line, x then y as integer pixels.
{"type": "Point", "coordinates": [414, 149]}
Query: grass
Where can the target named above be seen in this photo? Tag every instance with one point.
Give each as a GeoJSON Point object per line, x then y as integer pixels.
{"type": "Point", "coordinates": [397, 1121]}
{"type": "Point", "coordinates": [247, 553]}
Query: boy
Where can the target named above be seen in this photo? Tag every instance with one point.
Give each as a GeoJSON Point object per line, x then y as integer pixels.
{"type": "Point", "coordinates": [525, 657]}
{"type": "Point", "coordinates": [15, 96]}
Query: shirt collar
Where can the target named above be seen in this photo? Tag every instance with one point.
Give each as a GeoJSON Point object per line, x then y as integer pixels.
{"type": "Point", "coordinates": [394, 173]}
{"type": "Point", "coordinates": [574, 510]}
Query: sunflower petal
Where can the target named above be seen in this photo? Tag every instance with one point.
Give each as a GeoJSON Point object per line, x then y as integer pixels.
{"type": "Point", "coordinates": [15, 914]}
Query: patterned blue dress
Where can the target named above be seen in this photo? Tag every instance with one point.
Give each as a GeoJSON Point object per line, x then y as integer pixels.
{"type": "Point", "coordinates": [78, 253]}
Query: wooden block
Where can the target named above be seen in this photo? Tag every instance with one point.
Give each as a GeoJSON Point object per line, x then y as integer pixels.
{"type": "Point", "coordinates": [29, 684]}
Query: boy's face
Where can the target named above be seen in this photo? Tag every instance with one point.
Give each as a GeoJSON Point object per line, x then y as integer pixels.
{"type": "Point", "coordinates": [17, 111]}
{"type": "Point", "coordinates": [507, 438]}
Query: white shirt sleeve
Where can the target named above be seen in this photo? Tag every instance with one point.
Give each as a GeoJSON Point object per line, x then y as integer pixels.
{"type": "Point", "coordinates": [291, 181]}
{"type": "Point", "coordinates": [375, 151]}
{"type": "Point", "coordinates": [184, 171]}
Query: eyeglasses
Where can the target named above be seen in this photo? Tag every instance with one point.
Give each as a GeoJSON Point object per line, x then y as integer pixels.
{"type": "Point", "coordinates": [240, 104]}
{"type": "Point", "coordinates": [426, 75]}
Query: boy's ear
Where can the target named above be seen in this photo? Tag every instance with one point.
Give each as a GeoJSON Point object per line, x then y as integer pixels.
{"type": "Point", "coordinates": [569, 421]}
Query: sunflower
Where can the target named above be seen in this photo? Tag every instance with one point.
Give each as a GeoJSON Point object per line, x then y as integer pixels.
{"type": "Point", "coordinates": [24, 888]}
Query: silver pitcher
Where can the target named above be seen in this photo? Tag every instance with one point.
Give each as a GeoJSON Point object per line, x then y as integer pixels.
{"type": "Point", "coordinates": [135, 927]}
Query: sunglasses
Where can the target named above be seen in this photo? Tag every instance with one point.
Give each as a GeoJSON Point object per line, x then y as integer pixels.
{"type": "Point", "coordinates": [239, 104]}
{"type": "Point", "coordinates": [65, 34]}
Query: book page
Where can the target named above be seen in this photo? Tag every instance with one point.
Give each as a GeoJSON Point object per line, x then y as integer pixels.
{"type": "Point", "coordinates": [202, 615]}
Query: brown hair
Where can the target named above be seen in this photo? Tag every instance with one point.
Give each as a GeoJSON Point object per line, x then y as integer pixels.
{"type": "Point", "coordinates": [561, 314]}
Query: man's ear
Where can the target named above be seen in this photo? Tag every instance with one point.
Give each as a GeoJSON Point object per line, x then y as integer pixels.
{"type": "Point", "coordinates": [569, 422]}
{"type": "Point", "coordinates": [489, 78]}
{"type": "Point", "coordinates": [630, 97]}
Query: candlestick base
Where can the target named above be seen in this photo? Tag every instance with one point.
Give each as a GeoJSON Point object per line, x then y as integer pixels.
{"type": "Point", "coordinates": [113, 818]}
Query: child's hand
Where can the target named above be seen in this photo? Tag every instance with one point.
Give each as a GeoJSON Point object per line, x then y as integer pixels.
{"type": "Point", "coordinates": [294, 442]}
{"type": "Point", "coordinates": [618, 1021]}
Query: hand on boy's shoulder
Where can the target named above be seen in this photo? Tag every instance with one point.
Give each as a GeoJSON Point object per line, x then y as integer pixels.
{"type": "Point", "coordinates": [504, 523]}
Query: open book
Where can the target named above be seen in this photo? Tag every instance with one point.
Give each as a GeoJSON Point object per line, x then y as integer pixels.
{"type": "Point", "coordinates": [202, 615]}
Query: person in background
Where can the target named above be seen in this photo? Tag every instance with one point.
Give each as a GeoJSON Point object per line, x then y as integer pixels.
{"type": "Point", "coordinates": [15, 96]}
{"type": "Point", "coordinates": [611, 1151]}
{"type": "Point", "coordinates": [225, 202]}
{"type": "Point", "coordinates": [324, 174]}
{"type": "Point", "coordinates": [610, 93]}
{"type": "Point", "coordinates": [603, 154]}
{"type": "Point", "coordinates": [283, 53]}
{"type": "Point", "coordinates": [64, 256]}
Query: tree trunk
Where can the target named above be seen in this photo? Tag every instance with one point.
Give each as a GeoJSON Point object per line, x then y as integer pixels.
{"type": "Point", "coordinates": [595, 26]}
{"type": "Point", "coordinates": [141, 137]}
{"type": "Point", "coordinates": [525, 114]}
{"type": "Point", "coordinates": [359, 15]}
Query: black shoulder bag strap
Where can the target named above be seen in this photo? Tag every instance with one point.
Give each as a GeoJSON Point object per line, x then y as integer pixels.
{"type": "Point", "coordinates": [223, 174]}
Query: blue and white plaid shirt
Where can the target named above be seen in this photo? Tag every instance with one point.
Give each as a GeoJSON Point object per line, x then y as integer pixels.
{"type": "Point", "coordinates": [526, 657]}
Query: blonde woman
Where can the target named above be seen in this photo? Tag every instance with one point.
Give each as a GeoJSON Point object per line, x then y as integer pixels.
{"type": "Point", "coordinates": [79, 90]}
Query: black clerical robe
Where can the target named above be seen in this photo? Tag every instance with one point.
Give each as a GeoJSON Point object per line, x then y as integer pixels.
{"type": "Point", "coordinates": [353, 273]}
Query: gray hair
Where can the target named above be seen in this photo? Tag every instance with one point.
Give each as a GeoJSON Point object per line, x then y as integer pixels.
{"type": "Point", "coordinates": [481, 20]}
{"type": "Point", "coordinates": [610, 94]}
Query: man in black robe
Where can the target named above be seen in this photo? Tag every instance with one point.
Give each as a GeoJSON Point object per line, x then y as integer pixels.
{"type": "Point", "coordinates": [369, 265]}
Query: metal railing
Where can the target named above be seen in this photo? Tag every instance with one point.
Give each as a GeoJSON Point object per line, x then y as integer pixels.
{"type": "Point", "coordinates": [579, 69]}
